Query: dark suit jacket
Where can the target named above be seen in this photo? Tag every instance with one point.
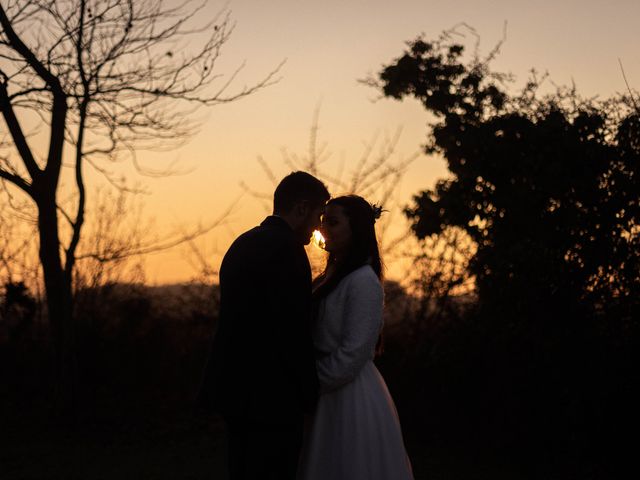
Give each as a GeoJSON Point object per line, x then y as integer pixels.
{"type": "Point", "coordinates": [261, 365]}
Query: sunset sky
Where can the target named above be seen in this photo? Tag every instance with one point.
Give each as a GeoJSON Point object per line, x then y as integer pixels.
{"type": "Point", "coordinates": [328, 46]}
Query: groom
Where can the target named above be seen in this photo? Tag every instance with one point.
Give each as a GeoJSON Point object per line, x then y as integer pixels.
{"type": "Point", "coordinates": [261, 373]}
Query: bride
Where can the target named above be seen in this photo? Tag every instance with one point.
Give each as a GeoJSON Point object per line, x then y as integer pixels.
{"type": "Point", "coordinates": [355, 432]}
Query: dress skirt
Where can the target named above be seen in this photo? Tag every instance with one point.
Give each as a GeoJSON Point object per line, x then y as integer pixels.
{"type": "Point", "coordinates": [356, 434]}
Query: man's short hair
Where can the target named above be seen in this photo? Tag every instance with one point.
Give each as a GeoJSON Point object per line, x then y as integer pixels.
{"type": "Point", "coordinates": [296, 187]}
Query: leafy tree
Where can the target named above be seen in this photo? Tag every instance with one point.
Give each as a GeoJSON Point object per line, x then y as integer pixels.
{"type": "Point", "coordinates": [546, 186]}
{"type": "Point", "coordinates": [101, 79]}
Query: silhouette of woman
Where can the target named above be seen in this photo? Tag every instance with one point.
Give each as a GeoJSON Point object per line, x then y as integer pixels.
{"type": "Point", "coordinates": [355, 433]}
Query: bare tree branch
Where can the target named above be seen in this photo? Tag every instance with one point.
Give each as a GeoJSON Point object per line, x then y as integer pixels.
{"type": "Point", "coordinates": [124, 249]}
{"type": "Point", "coordinates": [105, 79]}
{"type": "Point", "coordinates": [633, 98]}
{"type": "Point", "coordinates": [15, 129]}
{"type": "Point", "coordinates": [16, 180]}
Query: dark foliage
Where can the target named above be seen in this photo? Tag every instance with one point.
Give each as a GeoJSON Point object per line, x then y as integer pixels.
{"type": "Point", "coordinates": [140, 354]}
{"type": "Point", "coordinates": [548, 188]}
{"type": "Point", "coordinates": [17, 310]}
{"type": "Point", "coordinates": [140, 351]}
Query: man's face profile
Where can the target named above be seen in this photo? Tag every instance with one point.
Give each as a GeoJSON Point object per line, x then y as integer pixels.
{"type": "Point", "coordinates": [310, 219]}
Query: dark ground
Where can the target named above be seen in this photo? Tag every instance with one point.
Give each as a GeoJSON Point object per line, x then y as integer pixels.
{"type": "Point", "coordinates": [145, 443]}
{"type": "Point", "coordinates": [184, 450]}
{"type": "Point", "coordinates": [488, 415]}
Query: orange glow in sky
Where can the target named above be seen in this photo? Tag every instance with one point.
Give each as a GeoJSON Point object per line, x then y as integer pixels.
{"type": "Point", "coordinates": [327, 47]}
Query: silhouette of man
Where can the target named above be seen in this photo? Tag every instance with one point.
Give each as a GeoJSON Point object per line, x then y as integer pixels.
{"type": "Point", "coordinates": [261, 373]}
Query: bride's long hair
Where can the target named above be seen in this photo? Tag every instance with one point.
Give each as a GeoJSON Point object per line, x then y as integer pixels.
{"type": "Point", "coordinates": [363, 248]}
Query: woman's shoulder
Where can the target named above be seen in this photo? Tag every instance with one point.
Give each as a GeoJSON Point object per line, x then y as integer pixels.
{"type": "Point", "coordinates": [364, 272]}
{"type": "Point", "coordinates": [364, 276]}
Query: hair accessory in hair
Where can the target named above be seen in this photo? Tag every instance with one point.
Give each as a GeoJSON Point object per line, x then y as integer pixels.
{"type": "Point", "coordinates": [377, 211]}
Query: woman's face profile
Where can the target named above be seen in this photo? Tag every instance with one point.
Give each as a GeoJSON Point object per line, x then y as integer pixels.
{"type": "Point", "coordinates": [335, 229]}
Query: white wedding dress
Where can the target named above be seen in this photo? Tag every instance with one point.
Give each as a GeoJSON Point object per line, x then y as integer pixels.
{"type": "Point", "coordinates": [356, 432]}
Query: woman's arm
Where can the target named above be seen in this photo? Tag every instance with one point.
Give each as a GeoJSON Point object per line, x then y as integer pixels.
{"type": "Point", "coordinates": [361, 326]}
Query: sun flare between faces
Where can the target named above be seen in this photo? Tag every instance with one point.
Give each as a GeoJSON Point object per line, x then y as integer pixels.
{"type": "Point", "coordinates": [318, 239]}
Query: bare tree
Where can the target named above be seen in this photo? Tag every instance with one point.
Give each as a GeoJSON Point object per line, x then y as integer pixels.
{"type": "Point", "coordinates": [439, 277]}
{"type": "Point", "coordinates": [100, 79]}
{"type": "Point", "coordinates": [375, 174]}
